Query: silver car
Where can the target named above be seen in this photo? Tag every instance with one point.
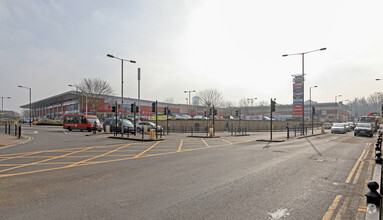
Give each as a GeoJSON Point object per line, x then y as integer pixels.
{"type": "Point", "coordinates": [146, 125]}
{"type": "Point", "coordinates": [338, 128]}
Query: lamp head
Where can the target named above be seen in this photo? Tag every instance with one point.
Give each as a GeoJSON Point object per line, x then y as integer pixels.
{"type": "Point", "coordinates": [110, 55]}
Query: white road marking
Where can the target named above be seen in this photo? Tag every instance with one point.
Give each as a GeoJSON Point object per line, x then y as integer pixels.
{"type": "Point", "coordinates": [36, 132]}
{"type": "Point", "coordinates": [279, 214]}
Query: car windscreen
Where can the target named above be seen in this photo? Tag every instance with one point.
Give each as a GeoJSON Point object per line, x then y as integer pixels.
{"type": "Point", "coordinates": [338, 125]}
{"type": "Point", "coordinates": [364, 125]}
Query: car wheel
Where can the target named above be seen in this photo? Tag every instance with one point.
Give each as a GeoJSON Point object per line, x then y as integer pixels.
{"type": "Point", "coordinates": [138, 129]}
{"type": "Point", "coordinates": [69, 129]}
{"type": "Point", "coordinates": [354, 134]}
{"type": "Point", "coordinates": [88, 129]}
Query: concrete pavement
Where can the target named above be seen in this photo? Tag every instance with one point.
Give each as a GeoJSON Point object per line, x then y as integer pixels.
{"type": "Point", "coordinates": [6, 139]}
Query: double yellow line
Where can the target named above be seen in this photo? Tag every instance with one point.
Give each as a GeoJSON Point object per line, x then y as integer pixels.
{"type": "Point", "coordinates": [355, 172]}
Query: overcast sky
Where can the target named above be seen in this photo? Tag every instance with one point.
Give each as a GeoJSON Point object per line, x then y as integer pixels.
{"type": "Point", "coordinates": [235, 47]}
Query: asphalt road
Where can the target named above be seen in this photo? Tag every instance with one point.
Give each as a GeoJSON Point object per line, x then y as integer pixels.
{"type": "Point", "coordinates": [68, 175]}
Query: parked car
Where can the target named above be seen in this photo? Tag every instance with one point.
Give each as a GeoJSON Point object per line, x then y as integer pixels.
{"type": "Point", "coordinates": [363, 129]}
{"type": "Point", "coordinates": [327, 125]}
{"type": "Point", "coordinates": [126, 124]}
{"type": "Point", "coordinates": [348, 127]}
{"type": "Point", "coordinates": [352, 124]}
{"type": "Point", "coordinates": [338, 128]}
{"type": "Point", "coordinates": [147, 125]}
{"type": "Point", "coordinates": [199, 117]}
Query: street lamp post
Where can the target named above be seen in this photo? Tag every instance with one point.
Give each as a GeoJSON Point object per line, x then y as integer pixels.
{"type": "Point", "coordinates": [303, 82]}
{"type": "Point", "coordinates": [2, 101]}
{"type": "Point", "coordinates": [30, 103]}
{"type": "Point", "coordinates": [311, 115]}
{"type": "Point", "coordinates": [348, 100]}
{"type": "Point", "coordinates": [122, 79]}
{"type": "Point", "coordinates": [251, 100]}
{"type": "Point", "coordinates": [336, 107]}
{"type": "Point", "coordinates": [189, 91]}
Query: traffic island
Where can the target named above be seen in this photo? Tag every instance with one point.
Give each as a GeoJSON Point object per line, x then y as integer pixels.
{"type": "Point", "coordinates": [267, 140]}
{"type": "Point", "coordinates": [136, 138]}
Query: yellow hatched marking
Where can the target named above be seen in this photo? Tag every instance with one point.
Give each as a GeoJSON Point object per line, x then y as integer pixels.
{"type": "Point", "coordinates": [348, 180]}
{"type": "Point", "coordinates": [42, 161]}
{"type": "Point", "coordinates": [92, 158]}
{"type": "Point", "coordinates": [332, 208]}
{"type": "Point", "coordinates": [138, 155]}
{"type": "Point", "coordinates": [227, 141]}
{"type": "Point", "coordinates": [180, 146]}
{"type": "Point", "coordinates": [205, 142]}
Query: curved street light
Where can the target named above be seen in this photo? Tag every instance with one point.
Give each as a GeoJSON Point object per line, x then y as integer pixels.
{"type": "Point", "coordinates": [336, 107]}
{"type": "Point", "coordinates": [303, 82]}
{"type": "Point", "coordinates": [30, 103]}
{"type": "Point", "coordinates": [122, 79]}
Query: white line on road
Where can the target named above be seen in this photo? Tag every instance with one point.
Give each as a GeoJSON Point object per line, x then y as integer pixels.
{"type": "Point", "coordinates": [278, 214]}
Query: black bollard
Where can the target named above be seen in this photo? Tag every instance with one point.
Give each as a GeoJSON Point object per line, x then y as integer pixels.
{"type": "Point", "coordinates": [378, 160]}
{"type": "Point", "coordinates": [373, 197]}
{"type": "Point", "coordinates": [19, 132]}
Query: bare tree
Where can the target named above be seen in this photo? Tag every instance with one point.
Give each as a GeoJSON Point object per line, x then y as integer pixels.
{"type": "Point", "coordinates": [229, 108]}
{"type": "Point", "coordinates": [94, 90]}
{"type": "Point", "coordinates": [210, 97]}
{"type": "Point", "coordinates": [374, 100]}
{"type": "Point", "coordinates": [244, 105]}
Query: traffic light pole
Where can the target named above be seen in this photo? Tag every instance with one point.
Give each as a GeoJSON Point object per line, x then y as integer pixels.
{"type": "Point", "coordinates": [167, 119]}
{"type": "Point", "coordinates": [134, 119]}
{"type": "Point", "coordinates": [156, 120]}
{"type": "Point", "coordinates": [213, 121]}
{"type": "Point", "coordinates": [271, 120]}
{"type": "Point", "coordinates": [115, 125]}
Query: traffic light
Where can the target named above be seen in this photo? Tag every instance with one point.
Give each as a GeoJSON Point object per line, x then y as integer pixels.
{"type": "Point", "coordinates": [169, 112]}
{"type": "Point", "coordinates": [137, 109]}
{"type": "Point", "coordinates": [113, 108]}
{"type": "Point", "coordinates": [132, 107]}
{"type": "Point", "coordinates": [273, 106]}
{"type": "Point", "coordinates": [165, 110]}
{"type": "Point", "coordinates": [153, 107]}
{"type": "Point", "coordinates": [205, 114]}
{"type": "Point", "coordinates": [215, 111]}
{"type": "Point", "coordinates": [210, 111]}
{"type": "Point", "coordinates": [313, 111]}
{"type": "Point", "coordinates": [237, 113]}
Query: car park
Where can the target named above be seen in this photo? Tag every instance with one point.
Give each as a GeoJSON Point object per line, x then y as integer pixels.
{"type": "Point", "coordinates": [338, 128]}
{"type": "Point", "coordinates": [363, 129]}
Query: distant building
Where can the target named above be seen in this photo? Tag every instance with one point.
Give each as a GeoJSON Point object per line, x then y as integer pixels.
{"type": "Point", "coordinates": [195, 100]}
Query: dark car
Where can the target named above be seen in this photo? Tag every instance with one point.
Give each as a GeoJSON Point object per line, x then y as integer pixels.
{"type": "Point", "coordinates": [126, 124]}
{"type": "Point", "coordinates": [363, 129]}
